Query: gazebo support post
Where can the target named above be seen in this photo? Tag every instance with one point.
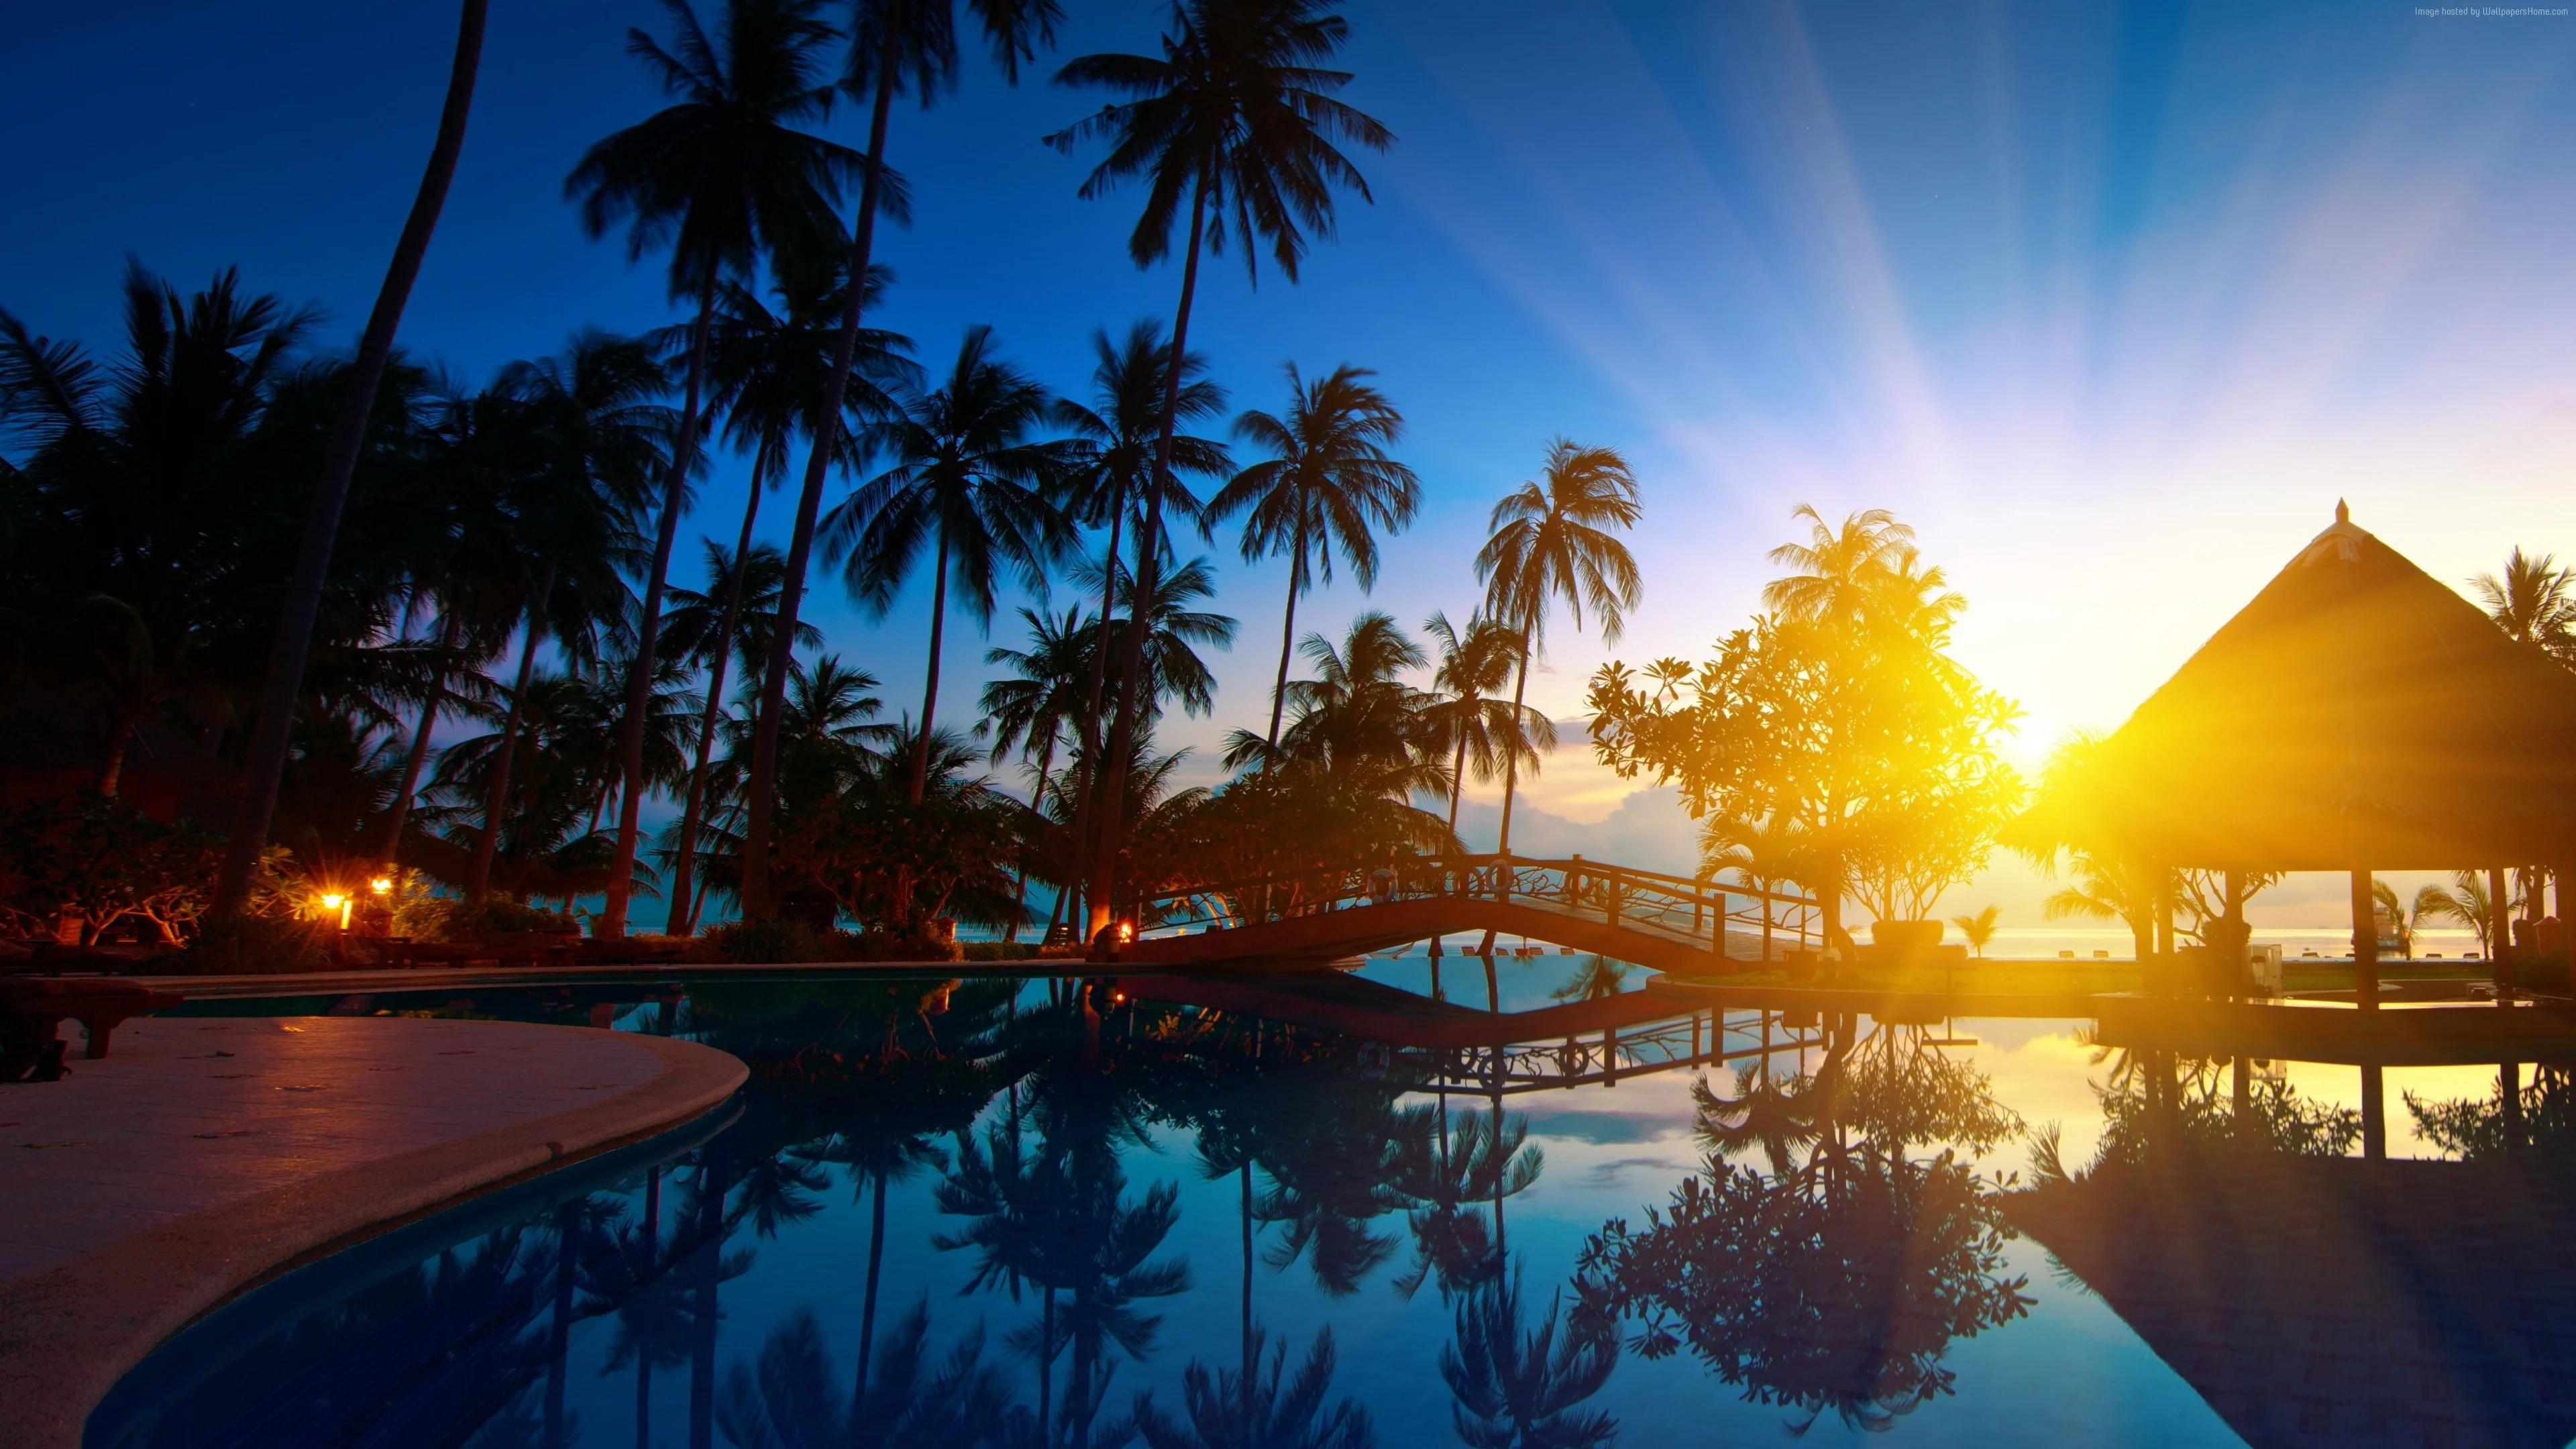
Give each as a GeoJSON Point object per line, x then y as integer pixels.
{"type": "Point", "coordinates": [2509, 1085]}
{"type": "Point", "coordinates": [2374, 1114]}
{"type": "Point", "coordinates": [2233, 972]}
{"type": "Point", "coordinates": [2499, 935]}
{"type": "Point", "coordinates": [2243, 1074]}
{"type": "Point", "coordinates": [2566, 920]}
{"type": "Point", "coordinates": [2164, 923]}
{"type": "Point", "coordinates": [2365, 949]}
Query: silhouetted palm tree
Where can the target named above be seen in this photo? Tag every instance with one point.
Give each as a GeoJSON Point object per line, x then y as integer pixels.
{"type": "Point", "coordinates": [1107, 485]}
{"type": "Point", "coordinates": [1978, 930]}
{"type": "Point", "coordinates": [1466, 707]}
{"type": "Point", "coordinates": [2533, 603]}
{"type": "Point", "coordinates": [722, 176]}
{"type": "Point", "coordinates": [1328, 484]}
{"type": "Point", "coordinates": [1518, 1389]}
{"type": "Point", "coordinates": [971, 479]}
{"type": "Point", "coordinates": [895, 45]}
{"type": "Point", "coordinates": [1552, 539]}
{"type": "Point", "coordinates": [1239, 116]}
{"type": "Point", "coordinates": [766, 372]}
{"type": "Point", "coordinates": [1838, 571]}
{"type": "Point", "coordinates": [593, 439]}
{"type": "Point", "coordinates": [2467, 901]}
{"type": "Point", "coordinates": [348, 438]}
{"type": "Point", "coordinates": [1445, 1171]}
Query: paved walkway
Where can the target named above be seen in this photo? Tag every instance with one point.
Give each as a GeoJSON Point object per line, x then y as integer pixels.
{"type": "Point", "coordinates": [203, 1154]}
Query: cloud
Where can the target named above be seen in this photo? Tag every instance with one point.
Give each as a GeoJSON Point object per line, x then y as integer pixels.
{"type": "Point", "coordinates": [1611, 1173]}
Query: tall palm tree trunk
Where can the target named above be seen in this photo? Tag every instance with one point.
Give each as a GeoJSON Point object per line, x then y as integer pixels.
{"type": "Point", "coordinates": [1512, 768]}
{"type": "Point", "coordinates": [1122, 737]}
{"type": "Point", "coordinates": [920, 774]}
{"type": "Point", "coordinates": [706, 1306]}
{"type": "Point", "coordinates": [417, 759]}
{"type": "Point", "coordinates": [120, 740]}
{"type": "Point", "coordinates": [1046, 1364]}
{"type": "Point", "coordinates": [496, 792]}
{"type": "Point", "coordinates": [1288, 631]}
{"type": "Point", "coordinates": [643, 1400]}
{"type": "Point", "coordinates": [1457, 780]}
{"type": "Point", "coordinates": [348, 435]}
{"type": "Point", "coordinates": [1020, 876]}
{"type": "Point", "coordinates": [559, 1326]}
{"type": "Point", "coordinates": [763, 804]}
{"type": "Point", "coordinates": [1086, 772]}
{"type": "Point", "coordinates": [683, 915]}
{"type": "Point", "coordinates": [648, 632]}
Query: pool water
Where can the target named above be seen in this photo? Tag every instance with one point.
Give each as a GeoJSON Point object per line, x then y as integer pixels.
{"type": "Point", "coordinates": [975, 1213]}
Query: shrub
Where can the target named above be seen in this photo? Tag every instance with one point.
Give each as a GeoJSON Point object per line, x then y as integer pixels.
{"type": "Point", "coordinates": [258, 945]}
{"type": "Point", "coordinates": [446, 918]}
{"type": "Point", "coordinates": [997, 951]}
{"type": "Point", "coordinates": [100, 860]}
{"type": "Point", "coordinates": [765, 942]}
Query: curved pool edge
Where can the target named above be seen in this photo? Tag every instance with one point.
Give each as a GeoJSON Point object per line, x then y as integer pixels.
{"type": "Point", "coordinates": [69, 1333]}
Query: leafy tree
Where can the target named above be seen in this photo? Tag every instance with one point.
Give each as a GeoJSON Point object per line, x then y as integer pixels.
{"type": "Point", "coordinates": [2467, 901]}
{"type": "Point", "coordinates": [1239, 115]}
{"type": "Point", "coordinates": [1851, 730]}
{"type": "Point", "coordinates": [97, 860]}
{"type": "Point", "coordinates": [1553, 539]}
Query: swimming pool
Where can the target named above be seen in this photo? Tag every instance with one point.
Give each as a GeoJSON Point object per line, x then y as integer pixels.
{"type": "Point", "coordinates": [968, 1213]}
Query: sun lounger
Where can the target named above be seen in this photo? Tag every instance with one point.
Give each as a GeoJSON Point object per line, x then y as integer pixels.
{"type": "Point", "coordinates": [32, 1009]}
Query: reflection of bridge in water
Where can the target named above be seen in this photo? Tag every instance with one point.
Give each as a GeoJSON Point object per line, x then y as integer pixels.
{"type": "Point", "coordinates": [1669, 922]}
{"type": "Point", "coordinates": [1598, 1042]}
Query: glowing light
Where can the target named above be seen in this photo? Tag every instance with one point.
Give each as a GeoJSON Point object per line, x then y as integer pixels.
{"type": "Point", "coordinates": [336, 901]}
{"type": "Point", "coordinates": [381, 885]}
{"type": "Point", "coordinates": [1126, 931]}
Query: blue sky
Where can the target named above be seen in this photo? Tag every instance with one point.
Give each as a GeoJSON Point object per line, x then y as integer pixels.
{"type": "Point", "coordinates": [2112, 302]}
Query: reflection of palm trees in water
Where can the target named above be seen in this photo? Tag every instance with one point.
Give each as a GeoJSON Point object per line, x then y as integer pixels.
{"type": "Point", "coordinates": [1519, 1389]}
{"type": "Point", "coordinates": [1446, 1174]}
{"type": "Point", "coordinates": [1837, 1281]}
{"type": "Point", "coordinates": [1262, 1408]}
{"type": "Point", "coordinates": [913, 1399]}
{"type": "Point", "coordinates": [2538, 1118]}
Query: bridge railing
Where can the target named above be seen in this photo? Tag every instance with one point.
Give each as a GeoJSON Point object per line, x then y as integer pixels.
{"type": "Point", "coordinates": [1680, 908]}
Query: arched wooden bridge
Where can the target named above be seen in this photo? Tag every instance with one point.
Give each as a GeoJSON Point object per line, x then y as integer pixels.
{"type": "Point", "coordinates": [1667, 922]}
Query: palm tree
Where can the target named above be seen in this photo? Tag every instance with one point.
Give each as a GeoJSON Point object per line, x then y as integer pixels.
{"type": "Point", "coordinates": [2533, 603]}
{"type": "Point", "coordinates": [1357, 714]}
{"type": "Point", "coordinates": [2384, 897]}
{"type": "Point", "coordinates": [1552, 540]}
{"type": "Point", "coordinates": [729, 621]}
{"type": "Point", "coordinates": [1026, 715]}
{"type": "Point", "coordinates": [1466, 706]}
{"type": "Point", "coordinates": [1108, 485]}
{"type": "Point", "coordinates": [594, 438]}
{"type": "Point", "coordinates": [2467, 901]}
{"type": "Point", "coordinates": [2107, 890]}
{"type": "Point", "coordinates": [894, 45]}
{"type": "Point", "coordinates": [1327, 483]}
{"type": "Point", "coordinates": [1519, 1390]}
{"type": "Point", "coordinates": [1764, 854]}
{"type": "Point", "coordinates": [1978, 930]}
{"type": "Point", "coordinates": [1238, 114]}
{"type": "Point", "coordinates": [766, 373]}
{"type": "Point", "coordinates": [722, 175]}
{"type": "Point", "coordinates": [1839, 572]}
{"type": "Point", "coordinates": [1443, 1171]}
{"type": "Point", "coordinates": [348, 436]}
{"type": "Point", "coordinates": [972, 478]}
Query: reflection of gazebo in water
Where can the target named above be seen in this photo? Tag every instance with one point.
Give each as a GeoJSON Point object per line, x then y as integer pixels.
{"type": "Point", "coordinates": [2358, 715]}
{"type": "Point", "coordinates": [2333, 1301]}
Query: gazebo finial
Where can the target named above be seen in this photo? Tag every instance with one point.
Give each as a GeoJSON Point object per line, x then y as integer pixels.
{"type": "Point", "coordinates": [2343, 511]}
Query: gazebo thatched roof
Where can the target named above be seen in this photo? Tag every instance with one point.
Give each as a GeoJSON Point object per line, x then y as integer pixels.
{"type": "Point", "coordinates": [2357, 714]}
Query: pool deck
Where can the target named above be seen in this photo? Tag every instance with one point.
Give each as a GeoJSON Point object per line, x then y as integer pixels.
{"type": "Point", "coordinates": [204, 1156]}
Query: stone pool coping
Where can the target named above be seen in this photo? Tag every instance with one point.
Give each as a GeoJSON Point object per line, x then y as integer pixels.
{"type": "Point", "coordinates": [70, 1331]}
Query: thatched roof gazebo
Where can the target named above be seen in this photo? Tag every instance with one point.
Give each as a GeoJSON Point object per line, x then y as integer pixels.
{"type": "Point", "coordinates": [2358, 715]}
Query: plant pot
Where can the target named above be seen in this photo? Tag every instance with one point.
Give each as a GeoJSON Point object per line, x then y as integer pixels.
{"type": "Point", "coordinates": [1906, 943]}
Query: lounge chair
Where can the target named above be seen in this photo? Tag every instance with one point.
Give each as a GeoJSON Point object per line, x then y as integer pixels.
{"type": "Point", "coordinates": [32, 1010]}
